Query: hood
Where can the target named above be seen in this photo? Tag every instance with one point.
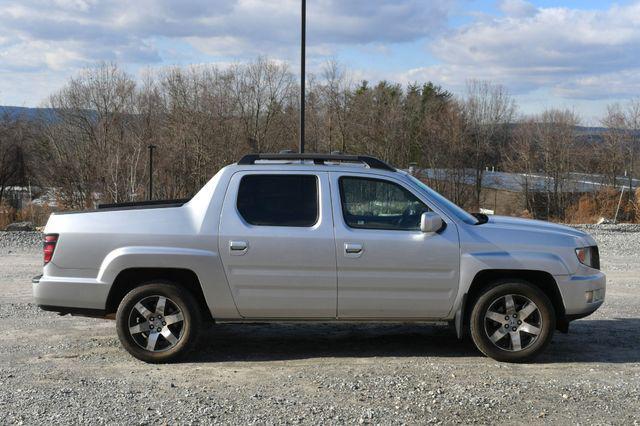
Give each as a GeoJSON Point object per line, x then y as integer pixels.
{"type": "Point", "coordinates": [516, 223]}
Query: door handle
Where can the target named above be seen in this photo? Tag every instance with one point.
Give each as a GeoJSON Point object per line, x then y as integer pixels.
{"type": "Point", "coordinates": [353, 249]}
{"type": "Point", "coordinates": [238, 247]}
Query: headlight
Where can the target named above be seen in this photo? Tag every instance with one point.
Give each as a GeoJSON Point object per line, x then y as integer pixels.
{"type": "Point", "coordinates": [589, 256]}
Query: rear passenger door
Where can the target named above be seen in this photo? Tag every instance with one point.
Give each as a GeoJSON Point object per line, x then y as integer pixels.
{"type": "Point", "coordinates": [277, 245]}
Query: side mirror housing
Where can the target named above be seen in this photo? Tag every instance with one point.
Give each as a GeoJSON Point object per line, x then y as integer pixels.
{"type": "Point", "coordinates": [430, 222]}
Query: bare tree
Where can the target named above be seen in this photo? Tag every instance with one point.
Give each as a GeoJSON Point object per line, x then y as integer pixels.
{"type": "Point", "coordinates": [556, 135]}
{"type": "Point", "coordinates": [490, 111]}
{"type": "Point", "coordinates": [261, 90]}
{"type": "Point", "coordinates": [612, 151]}
{"type": "Point", "coordinates": [621, 144]}
{"type": "Point", "coordinates": [337, 96]}
{"type": "Point", "coordinates": [632, 124]}
{"type": "Point", "coordinates": [522, 157]}
{"type": "Point", "coordinates": [204, 117]}
{"type": "Point", "coordinates": [8, 153]}
{"type": "Point", "coordinates": [91, 135]}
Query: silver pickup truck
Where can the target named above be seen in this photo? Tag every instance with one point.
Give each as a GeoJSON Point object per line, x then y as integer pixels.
{"type": "Point", "coordinates": [292, 237]}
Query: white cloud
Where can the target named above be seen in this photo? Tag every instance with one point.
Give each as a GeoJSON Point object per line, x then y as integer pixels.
{"type": "Point", "coordinates": [259, 23]}
{"type": "Point", "coordinates": [575, 53]}
{"type": "Point", "coordinates": [59, 35]}
{"type": "Point", "coordinates": [572, 54]}
{"type": "Point", "coordinates": [223, 45]}
{"type": "Point", "coordinates": [32, 87]}
{"type": "Point", "coordinates": [517, 8]}
{"type": "Point", "coordinates": [619, 84]}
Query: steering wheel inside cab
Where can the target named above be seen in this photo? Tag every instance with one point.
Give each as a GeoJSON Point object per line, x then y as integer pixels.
{"type": "Point", "coordinates": [410, 217]}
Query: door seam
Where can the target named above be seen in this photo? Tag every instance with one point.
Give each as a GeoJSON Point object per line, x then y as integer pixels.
{"type": "Point", "coordinates": [335, 241]}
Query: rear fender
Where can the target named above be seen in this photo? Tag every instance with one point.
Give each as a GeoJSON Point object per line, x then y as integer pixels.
{"type": "Point", "coordinates": [205, 264]}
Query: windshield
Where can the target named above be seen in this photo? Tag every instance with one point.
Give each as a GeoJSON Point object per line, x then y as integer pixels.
{"type": "Point", "coordinates": [448, 205]}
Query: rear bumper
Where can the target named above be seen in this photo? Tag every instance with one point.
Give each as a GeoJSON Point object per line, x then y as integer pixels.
{"type": "Point", "coordinates": [69, 294]}
{"type": "Point", "coordinates": [82, 312]}
{"type": "Point", "coordinates": [582, 294]}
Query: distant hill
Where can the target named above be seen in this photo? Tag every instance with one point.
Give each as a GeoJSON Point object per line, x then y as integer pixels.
{"type": "Point", "coordinates": [584, 132]}
{"type": "Point", "coordinates": [25, 113]}
{"type": "Point", "coordinates": [590, 130]}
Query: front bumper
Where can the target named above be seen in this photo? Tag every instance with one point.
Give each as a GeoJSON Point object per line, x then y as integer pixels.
{"type": "Point", "coordinates": [582, 294]}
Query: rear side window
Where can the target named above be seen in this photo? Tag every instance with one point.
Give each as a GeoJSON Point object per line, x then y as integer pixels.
{"type": "Point", "coordinates": [279, 200]}
{"type": "Point", "coordinates": [379, 204]}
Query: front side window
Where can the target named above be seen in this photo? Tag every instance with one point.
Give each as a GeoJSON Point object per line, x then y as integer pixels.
{"type": "Point", "coordinates": [279, 200]}
{"type": "Point", "coordinates": [379, 204]}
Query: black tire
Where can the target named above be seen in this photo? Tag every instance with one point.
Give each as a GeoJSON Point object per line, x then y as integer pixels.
{"type": "Point", "coordinates": [181, 328]}
{"type": "Point", "coordinates": [512, 343]}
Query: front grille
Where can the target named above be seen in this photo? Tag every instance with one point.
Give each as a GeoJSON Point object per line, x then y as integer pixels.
{"type": "Point", "coordinates": [595, 257]}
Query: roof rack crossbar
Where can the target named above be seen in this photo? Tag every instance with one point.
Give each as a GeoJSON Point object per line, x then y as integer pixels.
{"type": "Point", "coordinates": [372, 162]}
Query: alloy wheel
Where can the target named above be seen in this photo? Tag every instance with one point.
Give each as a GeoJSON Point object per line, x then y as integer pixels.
{"type": "Point", "coordinates": [513, 322]}
{"type": "Point", "coordinates": [156, 323]}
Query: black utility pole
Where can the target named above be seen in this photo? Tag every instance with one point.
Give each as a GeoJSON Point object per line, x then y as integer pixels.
{"type": "Point", "coordinates": [303, 39]}
{"type": "Point", "coordinates": [151, 148]}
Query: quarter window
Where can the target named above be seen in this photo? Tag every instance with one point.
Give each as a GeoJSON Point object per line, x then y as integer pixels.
{"type": "Point", "coordinates": [279, 200]}
{"type": "Point", "coordinates": [379, 204]}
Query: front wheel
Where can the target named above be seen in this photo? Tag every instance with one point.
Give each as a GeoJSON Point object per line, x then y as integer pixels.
{"type": "Point", "coordinates": [512, 321]}
{"type": "Point", "coordinates": [158, 322]}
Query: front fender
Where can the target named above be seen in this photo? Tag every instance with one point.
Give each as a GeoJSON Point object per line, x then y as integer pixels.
{"type": "Point", "coordinates": [475, 262]}
{"type": "Point", "coordinates": [204, 263]}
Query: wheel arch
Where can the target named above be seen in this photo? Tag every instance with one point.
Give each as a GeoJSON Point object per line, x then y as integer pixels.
{"type": "Point", "coordinates": [131, 278]}
{"type": "Point", "coordinates": [541, 279]}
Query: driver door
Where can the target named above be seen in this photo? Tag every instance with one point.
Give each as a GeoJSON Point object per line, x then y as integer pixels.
{"type": "Point", "coordinates": [387, 268]}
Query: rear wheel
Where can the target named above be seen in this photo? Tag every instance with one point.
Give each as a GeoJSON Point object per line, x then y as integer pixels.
{"type": "Point", "coordinates": [158, 322]}
{"type": "Point", "coordinates": [512, 321]}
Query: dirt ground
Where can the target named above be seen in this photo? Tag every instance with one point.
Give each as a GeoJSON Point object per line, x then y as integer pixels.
{"type": "Point", "coordinates": [73, 370]}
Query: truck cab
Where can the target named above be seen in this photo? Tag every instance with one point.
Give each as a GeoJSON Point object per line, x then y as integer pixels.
{"type": "Point", "coordinates": [292, 237]}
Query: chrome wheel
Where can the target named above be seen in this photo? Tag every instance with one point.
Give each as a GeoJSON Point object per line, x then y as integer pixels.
{"type": "Point", "coordinates": [513, 322]}
{"type": "Point", "coordinates": [156, 323]}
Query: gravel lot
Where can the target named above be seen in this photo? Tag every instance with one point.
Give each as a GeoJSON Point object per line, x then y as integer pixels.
{"type": "Point", "coordinates": [72, 370]}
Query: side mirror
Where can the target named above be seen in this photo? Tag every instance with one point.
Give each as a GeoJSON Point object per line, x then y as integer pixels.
{"type": "Point", "coordinates": [430, 222]}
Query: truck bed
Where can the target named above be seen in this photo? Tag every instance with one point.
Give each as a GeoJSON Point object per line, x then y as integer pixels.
{"type": "Point", "coordinates": [132, 205]}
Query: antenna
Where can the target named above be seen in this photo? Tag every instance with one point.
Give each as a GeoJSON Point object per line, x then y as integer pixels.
{"type": "Point", "coordinates": [303, 40]}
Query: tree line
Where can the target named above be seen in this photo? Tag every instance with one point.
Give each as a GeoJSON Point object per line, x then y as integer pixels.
{"type": "Point", "coordinates": [93, 143]}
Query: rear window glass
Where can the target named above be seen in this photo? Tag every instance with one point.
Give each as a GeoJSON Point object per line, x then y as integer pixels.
{"type": "Point", "coordinates": [279, 200]}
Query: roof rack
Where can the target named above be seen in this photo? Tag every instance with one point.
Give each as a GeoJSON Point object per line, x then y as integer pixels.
{"type": "Point", "coordinates": [372, 162]}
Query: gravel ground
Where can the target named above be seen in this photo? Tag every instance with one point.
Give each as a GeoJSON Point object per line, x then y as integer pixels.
{"type": "Point", "coordinates": [20, 242]}
{"type": "Point", "coordinates": [72, 370]}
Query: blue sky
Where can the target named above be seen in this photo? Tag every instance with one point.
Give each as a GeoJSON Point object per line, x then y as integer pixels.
{"type": "Point", "coordinates": [581, 55]}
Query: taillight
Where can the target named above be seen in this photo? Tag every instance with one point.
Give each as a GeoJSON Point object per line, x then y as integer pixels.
{"type": "Point", "coordinates": [49, 246]}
